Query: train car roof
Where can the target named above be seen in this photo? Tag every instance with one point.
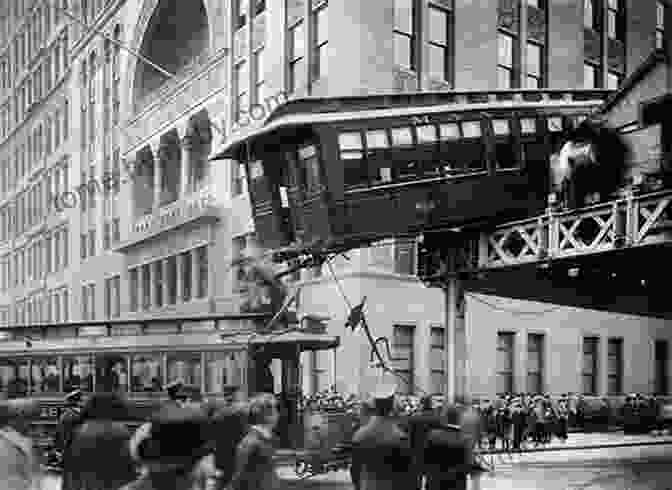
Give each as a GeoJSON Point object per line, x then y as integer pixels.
{"type": "Point", "coordinates": [316, 110]}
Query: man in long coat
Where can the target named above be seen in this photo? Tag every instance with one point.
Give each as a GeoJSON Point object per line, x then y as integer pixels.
{"type": "Point", "coordinates": [381, 449]}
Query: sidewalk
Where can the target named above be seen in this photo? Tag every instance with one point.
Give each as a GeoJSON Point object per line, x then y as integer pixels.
{"type": "Point", "coordinates": [575, 441]}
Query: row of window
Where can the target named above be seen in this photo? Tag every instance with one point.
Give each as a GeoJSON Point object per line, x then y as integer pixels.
{"type": "Point", "coordinates": [45, 255]}
{"type": "Point", "coordinates": [41, 142]}
{"type": "Point", "coordinates": [403, 352]}
{"type": "Point", "coordinates": [591, 366]}
{"type": "Point", "coordinates": [52, 306]}
{"type": "Point", "coordinates": [35, 31]}
{"type": "Point", "coordinates": [217, 372]}
{"type": "Point", "coordinates": [175, 279]}
{"type": "Point", "coordinates": [109, 97]}
{"type": "Point", "coordinates": [34, 204]}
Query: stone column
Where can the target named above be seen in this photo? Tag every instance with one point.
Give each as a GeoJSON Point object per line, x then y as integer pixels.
{"type": "Point", "coordinates": [186, 147]}
{"type": "Point", "coordinates": [178, 277]}
{"type": "Point", "coordinates": [164, 290]}
{"type": "Point", "coordinates": [195, 273]}
{"type": "Point", "coordinates": [156, 156]}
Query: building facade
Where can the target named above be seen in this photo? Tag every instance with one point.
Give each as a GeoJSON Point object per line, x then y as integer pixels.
{"type": "Point", "coordinates": [111, 208]}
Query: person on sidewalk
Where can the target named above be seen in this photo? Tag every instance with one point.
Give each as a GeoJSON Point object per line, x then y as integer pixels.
{"type": "Point", "coordinates": [20, 467]}
{"type": "Point", "coordinates": [382, 449]}
{"type": "Point", "coordinates": [254, 466]}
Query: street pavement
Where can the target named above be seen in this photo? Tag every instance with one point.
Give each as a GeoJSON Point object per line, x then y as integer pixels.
{"type": "Point", "coordinates": [585, 462]}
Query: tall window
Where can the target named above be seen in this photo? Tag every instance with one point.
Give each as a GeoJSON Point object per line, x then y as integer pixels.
{"type": "Point", "coordinates": [505, 66]}
{"type": "Point", "coordinates": [171, 279]}
{"type": "Point", "coordinates": [320, 41]}
{"type": "Point", "coordinates": [259, 76]}
{"type": "Point", "coordinates": [615, 366]}
{"type": "Point", "coordinates": [437, 360]}
{"type": "Point", "coordinates": [133, 289]}
{"type": "Point", "coordinates": [590, 365]}
{"type": "Point", "coordinates": [614, 20]}
{"type": "Point", "coordinates": [589, 14]}
{"type": "Point", "coordinates": [146, 287]}
{"type": "Point", "coordinates": [402, 346]}
{"type": "Point", "coordinates": [240, 13]}
{"type": "Point", "coordinates": [185, 263]}
{"type": "Point", "coordinates": [241, 81]}
{"type": "Point", "coordinates": [405, 253]}
{"type": "Point", "coordinates": [535, 65]}
{"type": "Point", "coordinates": [203, 268]}
{"type": "Point", "coordinates": [662, 355]}
{"type": "Point", "coordinates": [535, 363]}
{"type": "Point", "coordinates": [505, 358]}
{"type": "Point", "coordinates": [239, 246]}
{"type": "Point", "coordinates": [112, 298]}
{"type": "Point", "coordinates": [89, 302]}
{"type": "Point", "coordinates": [238, 182]}
{"type": "Point", "coordinates": [660, 24]}
{"type": "Point", "coordinates": [404, 34]}
{"type": "Point", "coordinates": [297, 57]}
{"type": "Point", "coordinates": [591, 76]}
{"type": "Point", "coordinates": [440, 36]}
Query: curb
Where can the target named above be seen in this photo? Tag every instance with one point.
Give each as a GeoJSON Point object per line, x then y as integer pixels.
{"type": "Point", "coordinates": [581, 448]}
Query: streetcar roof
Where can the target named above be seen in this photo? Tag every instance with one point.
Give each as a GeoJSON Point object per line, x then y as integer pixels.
{"type": "Point", "coordinates": [311, 111]}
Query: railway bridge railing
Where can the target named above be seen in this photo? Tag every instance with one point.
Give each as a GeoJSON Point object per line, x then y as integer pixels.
{"type": "Point", "coordinates": [633, 220]}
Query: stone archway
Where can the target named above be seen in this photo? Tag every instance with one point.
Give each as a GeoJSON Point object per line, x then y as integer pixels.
{"type": "Point", "coordinates": [157, 37]}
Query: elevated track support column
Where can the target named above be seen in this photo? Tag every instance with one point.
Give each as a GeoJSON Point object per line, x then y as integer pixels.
{"type": "Point", "coordinates": [454, 335]}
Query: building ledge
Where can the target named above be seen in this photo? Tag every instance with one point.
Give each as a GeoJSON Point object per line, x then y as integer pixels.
{"type": "Point", "coordinates": [170, 217]}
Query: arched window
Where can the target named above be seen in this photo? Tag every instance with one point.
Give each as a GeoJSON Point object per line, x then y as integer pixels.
{"type": "Point", "coordinates": [588, 14]}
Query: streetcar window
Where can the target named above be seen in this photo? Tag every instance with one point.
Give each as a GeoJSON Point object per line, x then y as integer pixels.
{"type": "Point", "coordinates": [501, 127]}
{"type": "Point", "coordinates": [351, 147]}
{"type": "Point", "coordinates": [307, 156]}
{"type": "Point", "coordinates": [224, 371]}
{"type": "Point", "coordinates": [528, 125]}
{"type": "Point", "coordinates": [45, 377]}
{"type": "Point", "coordinates": [350, 141]}
{"type": "Point", "coordinates": [78, 373]}
{"type": "Point", "coordinates": [14, 377]}
{"type": "Point", "coordinates": [146, 373]}
{"type": "Point", "coordinates": [471, 152]}
{"type": "Point", "coordinates": [184, 366]}
{"type": "Point", "coordinates": [111, 373]}
{"type": "Point", "coordinates": [555, 124]}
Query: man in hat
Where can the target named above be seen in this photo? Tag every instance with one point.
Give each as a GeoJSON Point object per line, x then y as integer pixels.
{"type": "Point", "coordinates": [69, 419]}
{"type": "Point", "coordinates": [175, 450]}
{"type": "Point", "coordinates": [381, 449]}
{"type": "Point", "coordinates": [176, 395]}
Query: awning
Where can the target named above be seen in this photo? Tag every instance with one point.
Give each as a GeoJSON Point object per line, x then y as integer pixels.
{"type": "Point", "coordinates": [305, 341]}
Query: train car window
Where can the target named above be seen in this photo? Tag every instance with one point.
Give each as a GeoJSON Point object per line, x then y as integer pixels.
{"type": "Point", "coordinates": [528, 125]}
{"type": "Point", "coordinates": [402, 136]}
{"type": "Point", "coordinates": [44, 376]}
{"type": "Point", "coordinates": [505, 152]}
{"type": "Point", "coordinates": [449, 131]}
{"type": "Point", "coordinates": [223, 371]}
{"type": "Point", "coordinates": [309, 164]}
{"type": "Point", "coordinates": [146, 373]}
{"type": "Point", "coordinates": [426, 133]}
{"type": "Point", "coordinates": [471, 129]}
{"type": "Point", "coordinates": [377, 139]}
{"type": "Point", "coordinates": [352, 152]}
{"type": "Point", "coordinates": [184, 366]}
{"type": "Point", "coordinates": [471, 153]}
{"type": "Point", "coordinates": [78, 373]}
{"type": "Point", "coordinates": [501, 127]}
{"type": "Point", "coordinates": [14, 377]}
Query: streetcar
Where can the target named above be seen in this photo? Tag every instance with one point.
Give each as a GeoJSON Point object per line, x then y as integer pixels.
{"type": "Point", "coordinates": [221, 357]}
